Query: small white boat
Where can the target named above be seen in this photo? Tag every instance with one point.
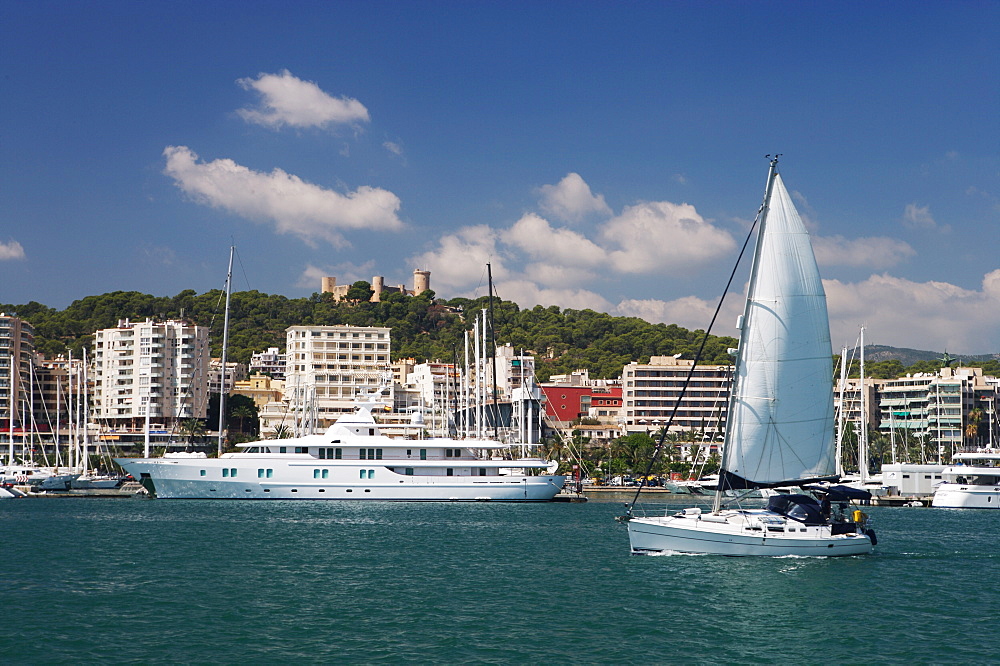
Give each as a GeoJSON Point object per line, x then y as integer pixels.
{"type": "Point", "coordinates": [780, 428]}
{"type": "Point", "coordinates": [975, 485]}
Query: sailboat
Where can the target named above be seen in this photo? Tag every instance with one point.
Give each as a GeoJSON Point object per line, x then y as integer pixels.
{"type": "Point", "coordinates": [780, 426]}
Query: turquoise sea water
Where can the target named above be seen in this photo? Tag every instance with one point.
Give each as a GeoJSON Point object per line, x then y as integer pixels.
{"type": "Point", "coordinates": [116, 580]}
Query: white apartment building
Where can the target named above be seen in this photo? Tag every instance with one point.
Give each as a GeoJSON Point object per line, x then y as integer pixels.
{"type": "Point", "coordinates": [270, 362]}
{"type": "Point", "coordinates": [651, 390]}
{"type": "Point", "coordinates": [17, 347]}
{"type": "Point", "coordinates": [161, 366]}
{"type": "Point", "coordinates": [326, 366]}
{"type": "Point", "coordinates": [937, 405]}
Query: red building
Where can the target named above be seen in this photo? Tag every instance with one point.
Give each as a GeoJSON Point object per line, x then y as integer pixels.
{"type": "Point", "coordinates": [567, 403]}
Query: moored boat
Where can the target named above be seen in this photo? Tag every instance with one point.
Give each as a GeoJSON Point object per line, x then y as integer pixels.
{"type": "Point", "coordinates": [973, 483]}
{"type": "Point", "coordinates": [352, 460]}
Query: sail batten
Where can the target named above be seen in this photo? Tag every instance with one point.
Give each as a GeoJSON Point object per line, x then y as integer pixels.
{"type": "Point", "coordinates": [781, 412]}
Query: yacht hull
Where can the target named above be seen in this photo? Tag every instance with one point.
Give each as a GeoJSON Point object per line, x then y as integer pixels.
{"type": "Point", "coordinates": [741, 533]}
{"type": "Point", "coordinates": [966, 496]}
{"type": "Point", "coordinates": [184, 479]}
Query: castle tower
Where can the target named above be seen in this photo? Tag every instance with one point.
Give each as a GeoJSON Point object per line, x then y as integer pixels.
{"type": "Point", "coordinates": [421, 281]}
{"type": "Point", "coordinates": [327, 284]}
{"type": "Point", "coordinates": [377, 286]}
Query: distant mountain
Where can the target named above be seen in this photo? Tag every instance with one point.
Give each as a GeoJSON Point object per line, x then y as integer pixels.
{"type": "Point", "coordinates": [906, 356]}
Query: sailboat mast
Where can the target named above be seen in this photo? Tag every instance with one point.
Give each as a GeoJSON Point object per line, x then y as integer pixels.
{"type": "Point", "coordinates": [492, 351]}
{"type": "Point", "coordinates": [863, 420]}
{"type": "Point", "coordinates": [754, 269]}
{"type": "Point", "coordinates": [225, 344]}
{"type": "Point", "coordinates": [10, 421]}
{"type": "Point", "coordinates": [843, 408]}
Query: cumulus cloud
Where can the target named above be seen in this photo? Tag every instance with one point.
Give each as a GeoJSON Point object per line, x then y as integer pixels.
{"type": "Point", "coordinates": [292, 205]}
{"type": "Point", "coordinates": [571, 200]}
{"type": "Point", "coordinates": [688, 312]}
{"type": "Point", "coordinates": [663, 237]}
{"type": "Point", "coordinates": [876, 252]}
{"type": "Point", "coordinates": [288, 100]}
{"type": "Point", "coordinates": [393, 147]}
{"type": "Point", "coordinates": [528, 294]}
{"type": "Point", "coordinates": [460, 258]}
{"type": "Point", "coordinates": [11, 250]}
{"type": "Point", "coordinates": [922, 315]}
{"type": "Point", "coordinates": [536, 236]}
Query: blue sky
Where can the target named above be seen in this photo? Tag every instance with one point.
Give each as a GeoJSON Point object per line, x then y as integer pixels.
{"type": "Point", "coordinates": [607, 155]}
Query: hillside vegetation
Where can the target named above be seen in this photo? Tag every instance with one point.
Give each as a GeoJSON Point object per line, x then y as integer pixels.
{"type": "Point", "coordinates": [423, 327]}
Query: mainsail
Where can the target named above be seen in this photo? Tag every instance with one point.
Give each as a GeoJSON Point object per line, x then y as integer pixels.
{"type": "Point", "coordinates": [780, 422]}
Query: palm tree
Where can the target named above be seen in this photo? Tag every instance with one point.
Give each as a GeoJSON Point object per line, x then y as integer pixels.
{"type": "Point", "coordinates": [242, 412]}
{"type": "Point", "coordinates": [972, 429]}
{"type": "Point", "coordinates": [192, 428]}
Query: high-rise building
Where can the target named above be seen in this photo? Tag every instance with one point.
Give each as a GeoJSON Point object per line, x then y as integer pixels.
{"type": "Point", "coordinates": [650, 392]}
{"type": "Point", "coordinates": [17, 347]}
{"type": "Point", "coordinates": [159, 366]}
{"type": "Point", "coordinates": [326, 366]}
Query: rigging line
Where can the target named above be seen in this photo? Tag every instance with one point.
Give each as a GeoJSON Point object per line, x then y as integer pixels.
{"type": "Point", "coordinates": [239, 260]}
{"type": "Point", "coordinates": [687, 381]}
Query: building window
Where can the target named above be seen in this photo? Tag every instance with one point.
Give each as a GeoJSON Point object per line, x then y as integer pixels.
{"type": "Point", "coordinates": [338, 453]}
{"type": "Point", "coordinates": [409, 471]}
{"type": "Point", "coordinates": [326, 473]}
{"type": "Point", "coordinates": [270, 473]}
{"type": "Point", "coordinates": [203, 472]}
{"type": "Point", "coordinates": [260, 473]}
{"type": "Point", "coordinates": [232, 472]}
{"type": "Point", "coordinates": [450, 472]}
{"type": "Point", "coordinates": [423, 454]}
{"type": "Point", "coordinates": [225, 472]}
{"type": "Point", "coordinates": [315, 473]}
{"type": "Point", "coordinates": [363, 474]}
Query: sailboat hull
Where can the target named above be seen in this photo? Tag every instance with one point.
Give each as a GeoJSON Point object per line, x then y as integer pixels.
{"type": "Point", "coordinates": [741, 533]}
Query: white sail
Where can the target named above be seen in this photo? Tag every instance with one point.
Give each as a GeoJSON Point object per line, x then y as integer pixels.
{"type": "Point", "coordinates": [781, 425]}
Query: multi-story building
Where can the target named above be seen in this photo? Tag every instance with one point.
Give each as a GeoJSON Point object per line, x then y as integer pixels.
{"type": "Point", "coordinates": [155, 366]}
{"type": "Point", "coordinates": [270, 362]}
{"type": "Point", "coordinates": [650, 392]}
{"type": "Point", "coordinates": [326, 366]}
{"type": "Point", "coordinates": [849, 406]}
{"type": "Point", "coordinates": [936, 405]}
{"type": "Point", "coordinates": [575, 396]}
{"type": "Point", "coordinates": [17, 349]}
{"type": "Point", "coordinates": [235, 372]}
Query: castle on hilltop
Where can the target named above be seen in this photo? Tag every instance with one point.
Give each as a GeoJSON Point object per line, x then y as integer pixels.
{"type": "Point", "coordinates": [421, 283]}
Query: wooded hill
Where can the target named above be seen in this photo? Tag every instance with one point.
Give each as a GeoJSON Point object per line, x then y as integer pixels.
{"type": "Point", "coordinates": [423, 327]}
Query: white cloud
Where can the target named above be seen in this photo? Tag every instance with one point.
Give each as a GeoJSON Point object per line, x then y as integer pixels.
{"type": "Point", "coordinates": [663, 237]}
{"type": "Point", "coordinates": [288, 100]}
{"type": "Point", "coordinates": [920, 315]}
{"type": "Point", "coordinates": [393, 147]}
{"type": "Point", "coordinates": [11, 250]}
{"type": "Point", "coordinates": [552, 275]}
{"type": "Point", "coordinates": [527, 294]}
{"type": "Point", "coordinates": [918, 217]}
{"type": "Point", "coordinates": [460, 259]}
{"type": "Point", "coordinates": [292, 205]}
{"type": "Point", "coordinates": [571, 199]}
{"type": "Point", "coordinates": [875, 253]}
{"type": "Point", "coordinates": [535, 236]}
{"type": "Point", "coordinates": [688, 312]}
